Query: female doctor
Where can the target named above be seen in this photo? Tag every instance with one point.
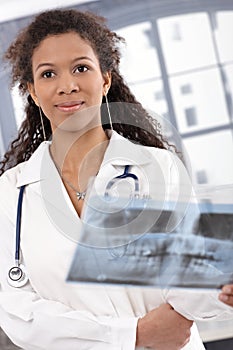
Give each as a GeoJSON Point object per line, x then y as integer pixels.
{"type": "Point", "coordinates": [67, 64]}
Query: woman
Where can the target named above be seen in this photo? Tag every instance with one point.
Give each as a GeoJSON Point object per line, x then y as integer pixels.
{"type": "Point", "coordinates": [66, 63]}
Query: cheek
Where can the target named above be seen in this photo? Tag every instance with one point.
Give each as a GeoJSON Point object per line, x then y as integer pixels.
{"type": "Point", "coordinates": [96, 85]}
{"type": "Point", "coordinates": [97, 92]}
{"type": "Point", "coordinates": [44, 97]}
{"type": "Point", "coordinates": [44, 91]}
{"type": "Point", "coordinates": [46, 106]}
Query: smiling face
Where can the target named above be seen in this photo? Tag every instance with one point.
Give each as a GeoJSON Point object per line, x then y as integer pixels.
{"type": "Point", "coordinates": [66, 77]}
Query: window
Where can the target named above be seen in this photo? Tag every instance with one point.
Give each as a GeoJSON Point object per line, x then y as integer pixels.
{"type": "Point", "coordinates": [188, 79]}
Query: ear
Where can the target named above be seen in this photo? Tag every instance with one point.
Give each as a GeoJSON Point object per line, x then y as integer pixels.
{"type": "Point", "coordinates": [32, 92]}
{"type": "Point", "coordinates": [107, 82]}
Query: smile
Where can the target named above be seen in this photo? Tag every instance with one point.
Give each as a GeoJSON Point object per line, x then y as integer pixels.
{"type": "Point", "coordinates": [70, 106]}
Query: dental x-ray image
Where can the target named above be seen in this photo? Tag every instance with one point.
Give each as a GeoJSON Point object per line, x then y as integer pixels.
{"type": "Point", "coordinates": [143, 242]}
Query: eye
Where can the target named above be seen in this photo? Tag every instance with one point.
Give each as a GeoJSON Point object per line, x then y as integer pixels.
{"type": "Point", "coordinates": [81, 69]}
{"type": "Point", "coordinates": [47, 74]}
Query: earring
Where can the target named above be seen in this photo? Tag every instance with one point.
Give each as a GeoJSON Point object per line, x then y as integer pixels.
{"type": "Point", "coordinates": [108, 109]}
{"type": "Point", "coordinates": [42, 123]}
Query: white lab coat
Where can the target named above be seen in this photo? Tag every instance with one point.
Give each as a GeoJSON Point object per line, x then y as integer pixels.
{"type": "Point", "coordinates": [51, 314]}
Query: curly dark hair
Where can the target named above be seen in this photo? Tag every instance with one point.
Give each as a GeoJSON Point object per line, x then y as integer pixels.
{"type": "Point", "coordinates": [132, 121]}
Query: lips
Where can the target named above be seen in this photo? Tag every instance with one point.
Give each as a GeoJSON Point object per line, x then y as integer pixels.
{"type": "Point", "coordinates": [69, 106]}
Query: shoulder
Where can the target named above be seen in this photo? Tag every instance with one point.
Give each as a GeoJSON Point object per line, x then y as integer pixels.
{"type": "Point", "coordinates": [25, 172]}
{"type": "Point", "coordinates": [9, 190]}
{"type": "Point", "coordinates": [174, 170]}
{"type": "Point", "coordinates": [160, 153]}
{"type": "Point", "coordinates": [164, 157]}
{"type": "Point", "coordinates": [10, 176]}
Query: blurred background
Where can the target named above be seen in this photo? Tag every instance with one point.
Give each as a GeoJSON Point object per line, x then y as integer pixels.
{"type": "Point", "coordinates": [178, 61]}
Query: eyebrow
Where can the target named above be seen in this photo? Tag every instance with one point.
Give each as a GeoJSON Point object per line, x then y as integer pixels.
{"type": "Point", "coordinates": [73, 61]}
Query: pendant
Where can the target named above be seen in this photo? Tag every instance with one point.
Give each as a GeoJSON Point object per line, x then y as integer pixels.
{"type": "Point", "coordinates": [80, 195]}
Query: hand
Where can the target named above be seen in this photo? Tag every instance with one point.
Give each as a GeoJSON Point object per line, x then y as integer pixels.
{"type": "Point", "coordinates": [163, 329]}
{"type": "Point", "coordinates": [226, 296]}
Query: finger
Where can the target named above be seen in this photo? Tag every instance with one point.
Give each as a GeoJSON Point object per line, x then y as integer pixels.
{"type": "Point", "coordinates": [228, 289]}
{"type": "Point", "coordinates": [226, 298]}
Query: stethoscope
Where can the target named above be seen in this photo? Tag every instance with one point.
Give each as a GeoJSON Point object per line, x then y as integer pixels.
{"type": "Point", "coordinates": [17, 276]}
{"type": "Point", "coordinates": [126, 174]}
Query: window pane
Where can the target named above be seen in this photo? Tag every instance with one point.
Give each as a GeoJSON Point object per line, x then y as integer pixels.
{"type": "Point", "coordinates": [151, 95]}
{"type": "Point", "coordinates": [224, 31]}
{"type": "Point", "coordinates": [139, 57]}
{"type": "Point", "coordinates": [204, 106]}
{"type": "Point", "coordinates": [212, 155]}
{"type": "Point", "coordinates": [186, 41]}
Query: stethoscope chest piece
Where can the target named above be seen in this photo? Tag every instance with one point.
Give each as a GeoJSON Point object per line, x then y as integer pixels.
{"type": "Point", "coordinates": [17, 277]}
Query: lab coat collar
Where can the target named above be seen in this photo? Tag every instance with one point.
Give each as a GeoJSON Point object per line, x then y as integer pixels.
{"type": "Point", "coordinates": [120, 152]}
{"type": "Point", "coordinates": [123, 152]}
{"type": "Point", "coordinates": [31, 172]}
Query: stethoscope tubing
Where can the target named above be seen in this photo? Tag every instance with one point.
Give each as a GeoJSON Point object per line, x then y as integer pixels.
{"type": "Point", "coordinates": [18, 224]}
{"type": "Point", "coordinates": [126, 174]}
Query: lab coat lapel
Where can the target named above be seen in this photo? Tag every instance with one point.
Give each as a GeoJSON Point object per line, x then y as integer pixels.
{"type": "Point", "coordinates": [31, 172]}
{"type": "Point", "coordinates": [41, 174]}
{"type": "Point", "coordinates": [47, 190]}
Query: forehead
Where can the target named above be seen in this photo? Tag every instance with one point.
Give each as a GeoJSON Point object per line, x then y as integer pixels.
{"type": "Point", "coordinates": [63, 46]}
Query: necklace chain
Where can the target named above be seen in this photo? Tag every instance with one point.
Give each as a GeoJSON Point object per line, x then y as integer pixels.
{"type": "Point", "coordinates": [79, 195]}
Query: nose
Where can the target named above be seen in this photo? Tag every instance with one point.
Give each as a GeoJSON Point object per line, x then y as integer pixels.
{"type": "Point", "coordinates": [67, 85]}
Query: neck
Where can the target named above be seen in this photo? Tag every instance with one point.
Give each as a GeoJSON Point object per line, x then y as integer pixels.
{"type": "Point", "coordinates": [72, 152]}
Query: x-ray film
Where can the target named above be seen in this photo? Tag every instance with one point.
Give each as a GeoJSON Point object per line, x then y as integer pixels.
{"type": "Point", "coordinates": [143, 242]}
